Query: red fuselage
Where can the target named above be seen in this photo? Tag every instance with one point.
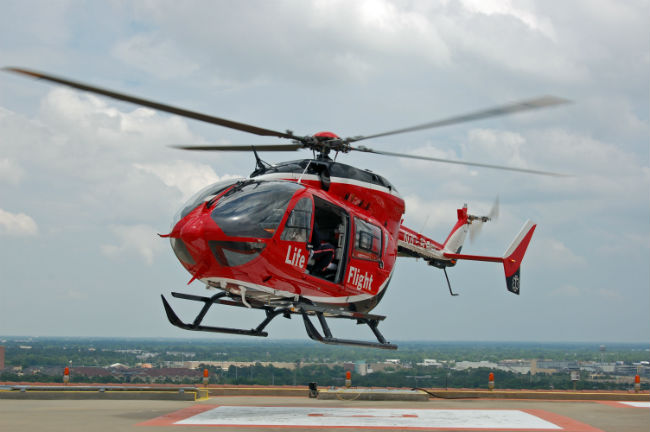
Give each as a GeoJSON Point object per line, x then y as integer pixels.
{"type": "Point", "coordinates": [294, 232]}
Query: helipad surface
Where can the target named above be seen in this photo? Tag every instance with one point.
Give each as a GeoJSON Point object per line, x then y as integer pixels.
{"type": "Point", "coordinates": [255, 413]}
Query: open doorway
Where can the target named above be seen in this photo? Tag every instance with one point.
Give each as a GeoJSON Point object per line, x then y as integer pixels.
{"type": "Point", "coordinates": [328, 241]}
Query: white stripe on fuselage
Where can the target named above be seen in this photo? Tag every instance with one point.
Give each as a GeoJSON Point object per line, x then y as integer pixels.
{"type": "Point", "coordinates": [339, 180]}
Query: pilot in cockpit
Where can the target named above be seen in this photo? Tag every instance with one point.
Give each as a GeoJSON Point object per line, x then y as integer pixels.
{"type": "Point", "coordinates": [322, 253]}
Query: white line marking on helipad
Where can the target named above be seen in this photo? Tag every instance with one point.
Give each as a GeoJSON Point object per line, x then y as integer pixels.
{"type": "Point", "coordinates": [369, 417]}
{"type": "Point", "coordinates": [638, 404]}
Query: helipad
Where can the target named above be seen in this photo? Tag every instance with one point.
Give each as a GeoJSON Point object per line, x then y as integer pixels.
{"type": "Point", "coordinates": [371, 418]}
{"type": "Point", "coordinates": [637, 404]}
{"type": "Point", "coordinates": [624, 404]}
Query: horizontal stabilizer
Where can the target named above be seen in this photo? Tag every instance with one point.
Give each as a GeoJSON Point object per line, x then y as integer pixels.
{"type": "Point", "coordinates": [511, 259]}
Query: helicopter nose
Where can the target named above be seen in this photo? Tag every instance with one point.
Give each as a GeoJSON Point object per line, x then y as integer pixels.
{"type": "Point", "coordinates": [200, 246]}
{"type": "Point", "coordinates": [193, 235]}
{"type": "Point", "coordinates": [189, 244]}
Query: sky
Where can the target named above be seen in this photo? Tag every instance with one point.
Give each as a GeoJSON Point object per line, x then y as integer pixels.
{"type": "Point", "coordinates": [87, 183]}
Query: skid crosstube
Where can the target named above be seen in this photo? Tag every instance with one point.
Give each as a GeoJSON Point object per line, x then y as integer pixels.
{"type": "Point", "coordinates": [314, 334]}
{"type": "Point", "coordinates": [286, 309]}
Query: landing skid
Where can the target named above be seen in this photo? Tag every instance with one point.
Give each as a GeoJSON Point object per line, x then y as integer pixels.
{"type": "Point", "coordinates": [208, 302]}
{"type": "Point", "coordinates": [284, 308]}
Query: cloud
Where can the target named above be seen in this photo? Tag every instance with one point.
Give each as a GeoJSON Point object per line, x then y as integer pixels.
{"type": "Point", "coordinates": [17, 224]}
{"type": "Point", "coordinates": [187, 177]}
{"type": "Point", "coordinates": [610, 294]}
{"type": "Point", "coordinates": [495, 146]}
{"type": "Point", "coordinates": [506, 8]}
{"type": "Point", "coordinates": [430, 150]}
{"type": "Point", "coordinates": [10, 171]}
{"type": "Point", "coordinates": [338, 39]}
{"type": "Point", "coordinates": [108, 160]}
{"type": "Point", "coordinates": [567, 291]}
{"type": "Point", "coordinates": [92, 124]}
{"type": "Point", "coordinates": [549, 252]}
{"type": "Point", "coordinates": [155, 55]}
{"type": "Point", "coordinates": [603, 172]}
{"type": "Point", "coordinates": [615, 243]}
{"type": "Point", "coordinates": [140, 240]}
{"type": "Point", "coordinates": [430, 216]}
{"type": "Point", "coordinates": [390, 29]}
{"type": "Point", "coordinates": [440, 215]}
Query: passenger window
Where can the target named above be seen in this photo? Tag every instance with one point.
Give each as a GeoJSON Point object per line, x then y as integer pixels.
{"type": "Point", "coordinates": [299, 222]}
{"type": "Point", "coordinates": [367, 240]}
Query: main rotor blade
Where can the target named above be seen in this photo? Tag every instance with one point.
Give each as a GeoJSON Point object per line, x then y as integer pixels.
{"type": "Point", "coordinates": [260, 147]}
{"type": "Point", "coordinates": [526, 105]}
{"type": "Point", "coordinates": [155, 105]}
{"type": "Point", "coordinates": [451, 161]}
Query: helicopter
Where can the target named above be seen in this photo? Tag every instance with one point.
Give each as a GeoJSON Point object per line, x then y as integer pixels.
{"type": "Point", "coordinates": [311, 237]}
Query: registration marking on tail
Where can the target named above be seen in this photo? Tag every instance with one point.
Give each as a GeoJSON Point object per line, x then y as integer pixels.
{"type": "Point", "coordinates": [371, 418]}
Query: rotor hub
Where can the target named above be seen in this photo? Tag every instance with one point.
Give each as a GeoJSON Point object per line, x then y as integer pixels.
{"type": "Point", "coordinates": [325, 135]}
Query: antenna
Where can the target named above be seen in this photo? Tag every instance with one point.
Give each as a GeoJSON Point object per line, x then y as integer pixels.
{"type": "Point", "coordinates": [303, 173]}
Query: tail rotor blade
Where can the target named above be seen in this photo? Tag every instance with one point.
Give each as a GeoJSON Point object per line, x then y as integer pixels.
{"type": "Point", "coordinates": [477, 224]}
{"type": "Point", "coordinates": [494, 211]}
{"type": "Point", "coordinates": [474, 230]}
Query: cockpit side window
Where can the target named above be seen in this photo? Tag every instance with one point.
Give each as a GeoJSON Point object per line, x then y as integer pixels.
{"type": "Point", "coordinates": [299, 222]}
{"type": "Point", "coordinates": [367, 240]}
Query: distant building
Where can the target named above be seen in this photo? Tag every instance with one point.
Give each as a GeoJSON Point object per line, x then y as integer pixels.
{"type": "Point", "coordinates": [163, 374]}
{"type": "Point", "coordinates": [224, 365]}
{"type": "Point", "coordinates": [118, 366]}
{"type": "Point", "coordinates": [90, 371]}
{"type": "Point", "coordinates": [518, 366]}
{"type": "Point", "coordinates": [553, 366]}
{"type": "Point", "coordinates": [463, 365]}
{"type": "Point", "coordinates": [628, 369]}
{"type": "Point", "coordinates": [181, 354]}
{"type": "Point", "coordinates": [142, 374]}
{"type": "Point", "coordinates": [430, 362]}
{"type": "Point", "coordinates": [608, 367]}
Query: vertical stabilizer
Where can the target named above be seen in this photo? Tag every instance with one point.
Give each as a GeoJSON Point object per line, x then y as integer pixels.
{"type": "Point", "coordinates": [456, 238]}
{"type": "Point", "coordinates": [515, 254]}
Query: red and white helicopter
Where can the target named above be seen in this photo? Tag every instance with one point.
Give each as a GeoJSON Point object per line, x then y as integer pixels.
{"type": "Point", "coordinates": [312, 237]}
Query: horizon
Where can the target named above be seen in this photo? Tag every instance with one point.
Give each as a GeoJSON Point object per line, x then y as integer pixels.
{"type": "Point", "coordinates": [307, 341]}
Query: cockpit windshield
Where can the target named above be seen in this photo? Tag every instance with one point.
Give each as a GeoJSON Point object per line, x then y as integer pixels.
{"type": "Point", "coordinates": [254, 209]}
{"type": "Point", "coordinates": [203, 195]}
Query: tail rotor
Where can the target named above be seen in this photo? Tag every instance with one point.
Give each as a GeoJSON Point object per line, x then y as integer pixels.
{"type": "Point", "coordinates": [476, 222]}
